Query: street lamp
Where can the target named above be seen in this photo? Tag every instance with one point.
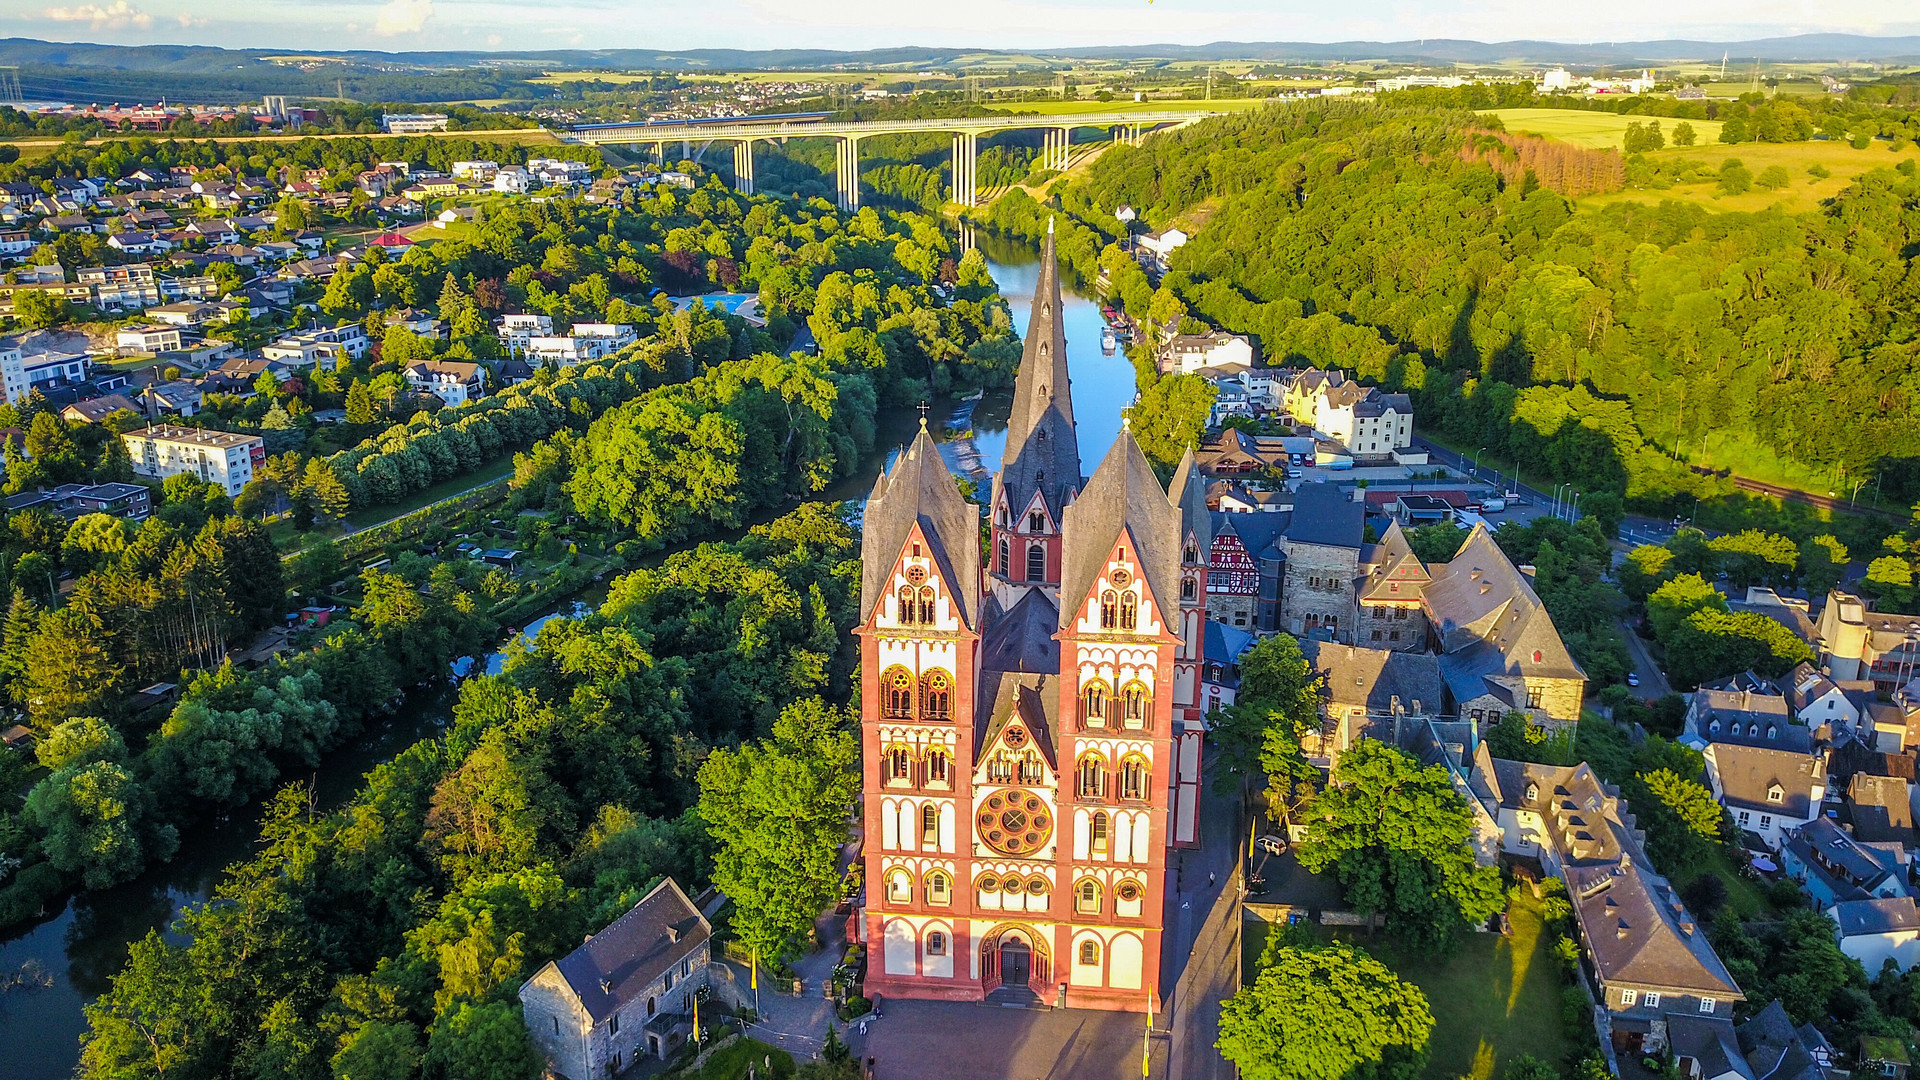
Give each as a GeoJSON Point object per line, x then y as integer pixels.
{"type": "Point", "coordinates": [1475, 470]}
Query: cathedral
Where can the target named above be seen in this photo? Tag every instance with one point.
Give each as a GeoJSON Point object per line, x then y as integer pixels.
{"type": "Point", "coordinates": [1030, 708]}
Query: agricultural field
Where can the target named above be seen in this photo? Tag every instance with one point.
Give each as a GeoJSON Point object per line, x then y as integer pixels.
{"type": "Point", "coordinates": [1806, 191]}
{"type": "Point", "coordinates": [1595, 130]}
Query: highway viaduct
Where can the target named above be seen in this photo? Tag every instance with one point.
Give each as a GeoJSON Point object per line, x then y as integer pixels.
{"type": "Point", "coordinates": [743, 132]}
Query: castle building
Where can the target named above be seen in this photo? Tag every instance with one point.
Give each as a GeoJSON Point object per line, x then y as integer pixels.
{"type": "Point", "coordinates": [1030, 720]}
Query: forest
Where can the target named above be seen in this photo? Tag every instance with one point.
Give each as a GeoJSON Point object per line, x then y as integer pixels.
{"type": "Point", "coordinates": [1600, 347]}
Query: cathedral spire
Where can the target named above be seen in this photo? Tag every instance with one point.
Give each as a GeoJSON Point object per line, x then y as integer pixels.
{"type": "Point", "coordinates": [1042, 449]}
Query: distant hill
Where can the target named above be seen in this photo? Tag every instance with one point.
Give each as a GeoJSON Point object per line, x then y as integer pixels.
{"type": "Point", "coordinates": [83, 72]}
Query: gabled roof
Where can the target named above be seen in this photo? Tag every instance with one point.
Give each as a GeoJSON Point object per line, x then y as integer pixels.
{"type": "Point", "coordinates": [1748, 776]}
{"type": "Point", "coordinates": [1375, 678]}
{"type": "Point", "coordinates": [1392, 562]}
{"type": "Point", "coordinates": [1490, 620]}
{"type": "Point", "coordinates": [1258, 533]}
{"type": "Point", "coordinates": [1639, 932]}
{"type": "Point", "coordinates": [1123, 498]}
{"type": "Point", "coordinates": [1033, 699]}
{"type": "Point", "coordinates": [1775, 1049]}
{"type": "Point", "coordinates": [1325, 516]}
{"type": "Point", "coordinates": [921, 491]}
{"type": "Point", "coordinates": [1881, 810]}
{"type": "Point", "coordinates": [620, 962]}
{"type": "Point", "coordinates": [1043, 450]}
{"type": "Point", "coordinates": [1880, 915]}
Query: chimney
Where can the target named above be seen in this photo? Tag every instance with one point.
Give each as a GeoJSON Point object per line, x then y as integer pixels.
{"type": "Point", "coordinates": [673, 933]}
{"type": "Point", "coordinates": [606, 986]}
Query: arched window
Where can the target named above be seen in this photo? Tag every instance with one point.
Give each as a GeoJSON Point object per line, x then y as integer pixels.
{"type": "Point", "coordinates": [1189, 589]}
{"type": "Point", "coordinates": [909, 613]}
{"type": "Point", "coordinates": [929, 825]}
{"type": "Point", "coordinates": [1036, 522]}
{"type": "Point", "coordinates": [939, 769]}
{"type": "Point", "coordinates": [899, 887]}
{"type": "Point", "coordinates": [896, 693]}
{"type": "Point", "coordinates": [936, 696]}
{"type": "Point", "coordinates": [936, 944]}
{"type": "Point", "coordinates": [1086, 897]}
{"type": "Point", "coordinates": [1093, 703]}
{"type": "Point", "coordinates": [1109, 609]}
{"type": "Point", "coordinates": [1135, 703]}
{"type": "Point", "coordinates": [1036, 562]}
{"type": "Point", "coordinates": [1133, 777]}
{"type": "Point", "coordinates": [1089, 951]}
{"type": "Point", "coordinates": [926, 605]}
{"type": "Point", "coordinates": [1129, 611]}
{"type": "Point", "coordinates": [939, 888]}
{"type": "Point", "coordinates": [1100, 830]}
{"type": "Point", "coordinates": [1036, 885]}
{"type": "Point", "coordinates": [1091, 777]}
{"type": "Point", "coordinates": [1006, 555]}
{"type": "Point", "coordinates": [1192, 553]}
{"type": "Point", "coordinates": [896, 766]}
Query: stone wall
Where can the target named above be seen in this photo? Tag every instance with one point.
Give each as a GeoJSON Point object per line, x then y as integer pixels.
{"type": "Point", "coordinates": [1318, 589]}
{"type": "Point", "coordinates": [1377, 628]}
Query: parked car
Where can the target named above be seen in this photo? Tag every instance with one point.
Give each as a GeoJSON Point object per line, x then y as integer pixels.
{"type": "Point", "coordinates": [1493, 505]}
{"type": "Point", "coordinates": [1633, 678]}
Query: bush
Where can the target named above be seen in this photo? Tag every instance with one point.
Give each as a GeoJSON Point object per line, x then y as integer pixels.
{"type": "Point", "coordinates": [1773, 178]}
{"type": "Point", "coordinates": [1705, 894]}
{"type": "Point", "coordinates": [1576, 1011]}
{"type": "Point", "coordinates": [856, 1006]}
{"type": "Point", "coordinates": [1785, 894]}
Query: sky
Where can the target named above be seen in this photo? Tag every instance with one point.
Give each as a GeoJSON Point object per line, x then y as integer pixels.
{"type": "Point", "coordinates": [404, 25]}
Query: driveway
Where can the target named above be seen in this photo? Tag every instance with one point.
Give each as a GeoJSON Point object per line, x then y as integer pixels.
{"type": "Point", "coordinates": [1653, 681]}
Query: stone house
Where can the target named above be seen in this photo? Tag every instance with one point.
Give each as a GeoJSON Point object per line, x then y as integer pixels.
{"type": "Point", "coordinates": [1498, 647]}
{"type": "Point", "coordinates": [1322, 547]}
{"type": "Point", "coordinates": [1388, 592]}
{"type": "Point", "coordinates": [625, 994]}
{"type": "Point", "coordinates": [1368, 693]}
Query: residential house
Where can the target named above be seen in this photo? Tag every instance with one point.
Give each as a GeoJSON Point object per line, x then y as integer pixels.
{"type": "Point", "coordinates": [118, 287]}
{"type": "Point", "coordinates": [94, 410]}
{"type": "Point", "coordinates": [1368, 693]}
{"type": "Point", "coordinates": [1749, 713]}
{"type": "Point", "coordinates": [474, 170]}
{"type": "Point", "coordinates": [1240, 499]}
{"type": "Point", "coordinates": [626, 994]}
{"type": "Point", "coordinates": [1770, 790]}
{"type": "Point", "coordinates": [1195, 354]}
{"type": "Point", "coordinates": [129, 501]}
{"type": "Point", "coordinates": [198, 287]}
{"type": "Point", "coordinates": [16, 244]}
{"type": "Point", "coordinates": [1160, 246]}
{"type": "Point", "coordinates": [1777, 1050]}
{"type": "Point", "coordinates": [1322, 548]}
{"type": "Point", "coordinates": [1233, 452]}
{"type": "Point", "coordinates": [49, 359]}
{"type": "Point", "coordinates": [455, 382]}
{"type": "Point", "coordinates": [69, 223]}
{"type": "Point", "coordinates": [1816, 699]}
{"type": "Point", "coordinates": [1832, 866]}
{"type": "Point", "coordinates": [140, 243]}
{"type": "Point", "coordinates": [1648, 958]}
{"type": "Point", "coordinates": [149, 338]}
{"type": "Point", "coordinates": [1500, 651]}
{"type": "Point", "coordinates": [322, 346]}
{"type": "Point", "coordinates": [586, 342]}
{"type": "Point", "coordinates": [1367, 421]}
{"type": "Point", "coordinates": [1877, 931]}
{"type": "Point", "coordinates": [184, 313]}
{"type": "Point", "coordinates": [176, 398]}
{"type": "Point", "coordinates": [424, 323]}
{"type": "Point", "coordinates": [513, 180]}
{"type": "Point", "coordinates": [1880, 808]}
{"type": "Point", "coordinates": [216, 457]}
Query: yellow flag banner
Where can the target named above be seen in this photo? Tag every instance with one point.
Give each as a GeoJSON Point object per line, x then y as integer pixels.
{"type": "Point", "coordinates": [1146, 1042]}
{"type": "Point", "coordinates": [696, 1020]}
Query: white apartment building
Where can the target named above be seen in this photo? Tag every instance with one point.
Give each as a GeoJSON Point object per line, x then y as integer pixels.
{"type": "Point", "coordinates": [513, 180]}
{"type": "Point", "coordinates": [516, 331]}
{"type": "Point", "coordinates": [413, 123]}
{"type": "Point", "coordinates": [1368, 422]}
{"type": "Point", "coordinates": [216, 457]}
{"type": "Point", "coordinates": [1190, 354]}
{"type": "Point", "coordinates": [455, 382]}
{"type": "Point", "coordinates": [12, 374]}
{"type": "Point", "coordinates": [474, 170]}
{"type": "Point", "coordinates": [589, 341]}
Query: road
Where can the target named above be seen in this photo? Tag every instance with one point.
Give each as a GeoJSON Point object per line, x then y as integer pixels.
{"type": "Point", "coordinates": [1653, 681]}
{"type": "Point", "coordinates": [1633, 525]}
{"type": "Point", "coordinates": [1201, 945]}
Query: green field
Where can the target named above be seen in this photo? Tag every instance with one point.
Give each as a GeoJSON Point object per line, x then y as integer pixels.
{"type": "Point", "coordinates": [1597, 130]}
{"type": "Point", "coordinates": [1806, 192]}
{"type": "Point", "coordinates": [1493, 999]}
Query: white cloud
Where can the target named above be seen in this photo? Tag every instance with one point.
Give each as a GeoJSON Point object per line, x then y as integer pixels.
{"type": "Point", "coordinates": [115, 16]}
{"type": "Point", "coordinates": [188, 20]}
{"type": "Point", "coordinates": [403, 17]}
{"type": "Point", "coordinates": [494, 40]}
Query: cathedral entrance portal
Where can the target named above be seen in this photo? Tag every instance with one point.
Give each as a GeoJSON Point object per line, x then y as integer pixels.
{"type": "Point", "coordinates": [1016, 962]}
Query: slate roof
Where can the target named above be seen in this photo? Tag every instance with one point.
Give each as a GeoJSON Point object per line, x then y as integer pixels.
{"type": "Point", "coordinates": [1709, 1040]}
{"type": "Point", "coordinates": [1122, 498]}
{"type": "Point", "coordinates": [1639, 932]}
{"type": "Point", "coordinates": [1746, 718]}
{"type": "Point", "coordinates": [1325, 516]}
{"type": "Point", "coordinates": [1374, 678]}
{"type": "Point", "coordinates": [1880, 915]}
{"type": "Point", "coordinates": [1043, 450]}
{"type": "Point", "coordinates": [1490, 621]}
{"type": "Point", "coordinates": [1034, 698]}
{"type": "Point", "coordinates": [1775, 1049]}
{"type": "Point", "coordinates": [921, 491]}
{"type": "Point", "coordinates": [1849, 868]}
{"type": "Point", "coordinates": [1188, 492]}
{"type": "Point", "coordinates": [1258, 533]}
{"type": "Point", "coordinates": [1748, 773]}
{"type": "Point", "coordinates": [620, 962]}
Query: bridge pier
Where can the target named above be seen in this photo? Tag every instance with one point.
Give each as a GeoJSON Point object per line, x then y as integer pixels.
{"type": "Point", "coordinates": [743, 166]}
{"type": "Point", "coordinates": [966, 156]}
{"type": "Point", "coordinates": [848, 172]}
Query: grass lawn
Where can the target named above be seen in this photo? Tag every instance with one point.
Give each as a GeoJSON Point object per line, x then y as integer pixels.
{"type": "Point", "coordinates": [1493, 999]}
{"type": "Point", "coordinates": [1806, 192]}
{"type": "Point", "coordinates": [445, 489]}
{"type": "Point", "coordinates": [732, 1063]}
{"type": "Point", "coordinates": [1743, 896]}
{"type": "Point", "coordinates": [1598, 130]}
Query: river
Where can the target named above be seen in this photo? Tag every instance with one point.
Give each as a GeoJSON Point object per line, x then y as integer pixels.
{"type": "Point", "coordinates": [85, 943]}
